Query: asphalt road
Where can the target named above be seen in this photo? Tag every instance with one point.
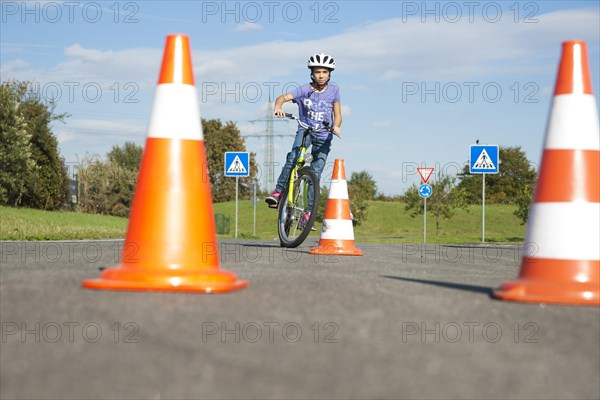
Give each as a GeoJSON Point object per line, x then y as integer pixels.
{"type": "Point", "coordinates": [403, 321]}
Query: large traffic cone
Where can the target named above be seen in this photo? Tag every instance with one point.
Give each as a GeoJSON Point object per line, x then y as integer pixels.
{"type": "Point", "coordinates": [337, 233]}
{"type": "Point", "coordinates": [562, 256]}
{"type": "Point", "coordinates": [171, 242]}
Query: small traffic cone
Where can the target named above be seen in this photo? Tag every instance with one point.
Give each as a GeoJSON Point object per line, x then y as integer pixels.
{"type": "Point", "coordinates": [563, 234]}
{"type": "Point", "coordinates": [171, 242]}
{"type": "Point", "coordinates": [337, 233]}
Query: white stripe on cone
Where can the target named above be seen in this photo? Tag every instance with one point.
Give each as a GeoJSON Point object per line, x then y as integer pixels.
{"type": "Point", "coordinates": [566, 231]}
{"type": "Point", "coordinates": [340, 229]}
{"type": "Point", "coordinates": [573, 123]}
{"type": "Point", "coordinates": [338, 189]}
{"type": "Point", "coordinates": [175, 113]}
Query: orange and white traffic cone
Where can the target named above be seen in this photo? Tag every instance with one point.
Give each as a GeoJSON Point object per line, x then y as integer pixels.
{"type": "Point", "coordinates": [337, 233]}
{"type": "Point", "coordinates": [171, 242]}
{"type": "Point", "coordinates": [562, 256]}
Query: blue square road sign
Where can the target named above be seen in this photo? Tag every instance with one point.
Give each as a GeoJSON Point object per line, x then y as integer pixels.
{"type": "Point", "coordinates": [483, 159]}
{"type": "Point", "coordinates": [237, 163]}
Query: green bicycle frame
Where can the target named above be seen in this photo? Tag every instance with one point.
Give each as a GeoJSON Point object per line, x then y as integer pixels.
{"type": "Point", "coordinates": [291, 195]}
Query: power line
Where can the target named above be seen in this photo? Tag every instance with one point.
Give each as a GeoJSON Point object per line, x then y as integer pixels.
{"type": "Point", "coordinates": [268, 134]}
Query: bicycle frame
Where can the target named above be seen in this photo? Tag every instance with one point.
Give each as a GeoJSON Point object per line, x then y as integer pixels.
{"type": "Point", "coordinates": [299, 164]}
{"type": "Point", "coordinates": [295, 222]}
{"type": "Point", "coordinates": [301, 154]}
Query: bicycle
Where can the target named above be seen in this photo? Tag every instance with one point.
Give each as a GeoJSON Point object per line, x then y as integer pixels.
{"type": "Point", "coordinates": [302, 190]}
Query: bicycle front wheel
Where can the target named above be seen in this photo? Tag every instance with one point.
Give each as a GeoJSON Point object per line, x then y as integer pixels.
{"type": "Point", "coordinates": [293, 230]}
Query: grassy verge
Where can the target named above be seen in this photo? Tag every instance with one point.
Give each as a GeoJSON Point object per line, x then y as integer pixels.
{"type": "Point", "coordinates": [28, 224]}
{"type": "Point", "coordinates": [388, 219]}
{"type": "Point", "coordinates": [387, 222]}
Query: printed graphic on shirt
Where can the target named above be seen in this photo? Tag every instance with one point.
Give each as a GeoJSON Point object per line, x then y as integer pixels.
{"type": "Point", "coordinates": [316, 107]}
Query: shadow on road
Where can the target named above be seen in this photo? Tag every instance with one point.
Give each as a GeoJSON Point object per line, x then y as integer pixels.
{"type": "Point", "coordinates": [459, 286]}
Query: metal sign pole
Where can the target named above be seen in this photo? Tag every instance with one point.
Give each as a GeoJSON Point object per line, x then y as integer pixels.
{"type": "Point", "coordinates": [237, 179]}
{"type": "Point", "coordinates": [483, 210]}
{"type": "Point", "coordinates": [254, 201]}
{"type": "Point", "coordinates": [425, 220]}
{"type": "Point", "coordinates": [425, 191]}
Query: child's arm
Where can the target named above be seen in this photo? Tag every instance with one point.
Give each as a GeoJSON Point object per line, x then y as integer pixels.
{"type": "Point", "coordinates": [337, 118]}
{"type": "Point", "coordinates": [284, 98]}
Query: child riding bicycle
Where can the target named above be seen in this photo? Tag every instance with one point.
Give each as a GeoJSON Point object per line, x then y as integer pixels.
{"type": "Point", "coordinates": [318, 105]}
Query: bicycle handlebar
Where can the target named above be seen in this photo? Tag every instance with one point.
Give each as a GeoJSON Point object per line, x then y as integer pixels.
{"type": "Point", "coordinates": [326, 127]}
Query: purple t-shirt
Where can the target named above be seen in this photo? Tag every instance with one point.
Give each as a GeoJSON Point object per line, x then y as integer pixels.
{"type": "Point", "coordinates": [316, 107]}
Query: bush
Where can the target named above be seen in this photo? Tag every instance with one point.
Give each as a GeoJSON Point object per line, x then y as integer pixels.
{"type": "Point", "coordinates": [105, 187]}
{"type": "Point", "coordinates": [32, 173]}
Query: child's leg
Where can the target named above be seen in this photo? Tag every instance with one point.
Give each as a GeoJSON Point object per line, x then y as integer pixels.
{"type": "Point", "coordinates": [320, 151]}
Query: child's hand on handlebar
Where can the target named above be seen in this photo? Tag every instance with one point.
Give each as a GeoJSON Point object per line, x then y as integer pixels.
{"type": "Point", "coordinates": [336, 131]}
{"type": "Point", "coordinates": [278, 112]}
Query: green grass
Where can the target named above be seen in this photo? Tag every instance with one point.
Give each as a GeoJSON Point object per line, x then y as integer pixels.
{"type": "Point", "coordinates": [389, 219]}
{"type": "Point", "coordinates": [28, 224]}
{"type": "Point", "coordinates": [386, 222]}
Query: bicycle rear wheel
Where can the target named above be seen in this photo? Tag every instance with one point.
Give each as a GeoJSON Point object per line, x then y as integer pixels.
{"type": "Point", "coordinates": [291, 231]}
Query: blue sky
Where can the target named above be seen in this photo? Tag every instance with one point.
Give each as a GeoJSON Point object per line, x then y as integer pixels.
{"type": "Point", "coordinates": [420, 81]}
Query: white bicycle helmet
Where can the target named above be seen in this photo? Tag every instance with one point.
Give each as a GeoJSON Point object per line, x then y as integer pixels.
{"type": "Point", "coordinates": [321, 60]}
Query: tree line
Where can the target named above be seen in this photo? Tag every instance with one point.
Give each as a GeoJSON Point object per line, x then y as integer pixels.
{"type": "Point", "coordinates": [32, 173]}
{"type": "Point", "coordinates": [107, 186]}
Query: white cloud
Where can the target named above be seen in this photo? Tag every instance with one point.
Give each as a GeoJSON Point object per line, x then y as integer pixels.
{"type": "Point", "coordinates": [84, 65]}
{"type": "Point", "coordinates": [392, 49]}
{"type": "Point", "coordinates": [12, 66]}
{"type": "Point", "coordinates": [389, 49]}
{"type": "Point", "coordinates": [215, 67]}
{"type": "Point", "coordinates": [76, 129]}
{"type": "Point", "coordinates": [88, 55]}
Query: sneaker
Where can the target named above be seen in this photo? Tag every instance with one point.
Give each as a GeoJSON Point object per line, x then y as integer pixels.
{"type": "Point", "coordinates": [273, 199]}
{"type": "Point", "coordinates": [304, 220]}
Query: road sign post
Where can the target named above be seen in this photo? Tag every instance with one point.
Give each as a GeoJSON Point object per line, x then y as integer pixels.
{"type": "Point", "coordinates": [483, 160]}
{"type": "Point", "coordinates": [483, 208]}
{"type": "Point", "coordinates": [425, 220]}
{"type": "Point", "coordinates": [237, 163]}
{"type": "Point", "coordinates": [254, 205]}
{"type": "Point", "coordinates": [425, 190]}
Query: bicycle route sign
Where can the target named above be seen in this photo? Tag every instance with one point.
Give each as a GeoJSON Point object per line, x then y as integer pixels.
{"type": "Point", "coordinates": [484, 159]}
{"type": "Point", "coordinates": [237, 163]}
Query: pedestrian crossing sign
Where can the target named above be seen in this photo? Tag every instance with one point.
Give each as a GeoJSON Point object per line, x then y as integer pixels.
{"type": "Point", "coordinates": [484, 159]}
{"type": "Point", "coordinates": [237, 163]}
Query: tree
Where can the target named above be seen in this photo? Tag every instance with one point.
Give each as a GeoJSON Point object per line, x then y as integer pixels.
{"type": "Point", "coordinates": [219, 138]}
{"type": "Point", "coordinates": [361, 187]}
{"type": "Point", "coordinates": [364, 183]}
{"type": "Point", "coordinates": [513, 184]}
{"type": "Point", "coordinates": [515, 177]}
{"type": "Point", "coordinates": [444, 200]}
{"type": "Point", "coordinates": [49, 188]}
{"type": "Point", "coordinates": [105, 187]}
{"type": "Point", "coordinates": [16, 162]}
{"type": "Point", "coordinates": [523, 202]}
{"type": "Point", "coordinates": [324, 195]}
{"type": "Point", "coordinates": [33, 173]}
{"type": "Point", "coordinates": [129, 156]}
